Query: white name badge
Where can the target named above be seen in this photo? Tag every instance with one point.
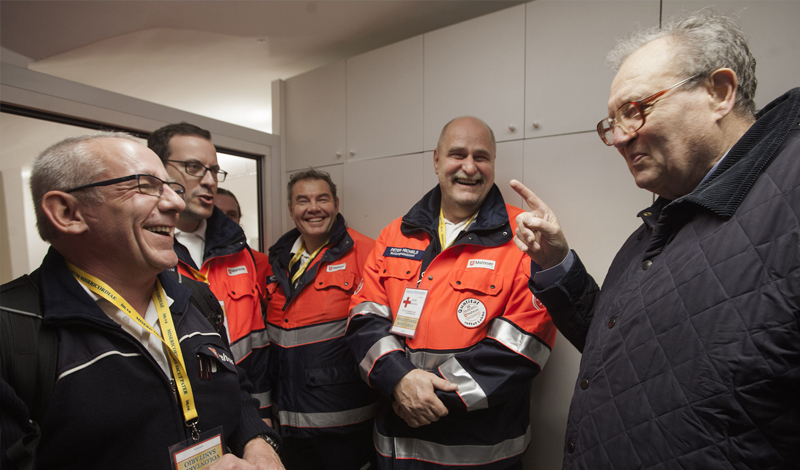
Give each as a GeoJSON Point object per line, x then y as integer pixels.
{"type": "Point", "coordinates": [189, 455]}
{"type": "Point", "coordinates": [409, 312]}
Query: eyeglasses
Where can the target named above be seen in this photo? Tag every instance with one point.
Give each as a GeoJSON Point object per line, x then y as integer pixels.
{"type": "Point", "coordinates": [147, 184]}
{"type": "Point", "coordinates": [197, 169]}
{"type": "Point", "coordinates": [630, 116]}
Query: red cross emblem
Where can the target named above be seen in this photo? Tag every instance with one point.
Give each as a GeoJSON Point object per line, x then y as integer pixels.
{"type": "Point", "coordinates": [406, 302]}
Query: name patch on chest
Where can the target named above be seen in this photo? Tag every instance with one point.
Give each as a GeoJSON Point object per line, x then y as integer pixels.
{"type": "Point", "coordinates": [237, 270]}
{"type": "Point", "coordinates": [332, 268]}
{"type": "Point", "coordinates": [482, 263]}
{"type": "Point", "coordinates": [399, 252]}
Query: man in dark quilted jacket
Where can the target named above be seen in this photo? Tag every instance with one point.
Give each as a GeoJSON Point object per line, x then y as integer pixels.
{"type": "Point", "coordinates": [691, 349]}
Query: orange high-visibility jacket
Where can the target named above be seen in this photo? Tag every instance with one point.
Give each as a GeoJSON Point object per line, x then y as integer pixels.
{"type": "Point", "coordinates": [316, 387]}
{"type": "Point", "coordinates": [230, 271]}
{"type": "Point", "coordinates": [480, 328]}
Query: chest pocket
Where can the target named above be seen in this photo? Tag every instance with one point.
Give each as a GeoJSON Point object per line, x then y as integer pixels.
{"type": "Point", "coordinates": [402, 269]}
{"type": "Point", "coordinates": [343, 280]}
{"type": "Point", "coordinates": [483, 281]}
{"type": "Point", "coordinates": [238, 287]}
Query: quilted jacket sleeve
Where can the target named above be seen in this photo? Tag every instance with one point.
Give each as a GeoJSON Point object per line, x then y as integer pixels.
{"type": "Point", "coordinates": [570, 302]}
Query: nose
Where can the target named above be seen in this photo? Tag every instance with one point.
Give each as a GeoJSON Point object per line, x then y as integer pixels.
{"type": "Point", "coordinates": [208, 180]}
{"type": "Point", "coordinates": [170, 201]}
{"type": "Point", "coordinates": [468, 165]}
{"type": "Point", "coordinates": [621, 138]}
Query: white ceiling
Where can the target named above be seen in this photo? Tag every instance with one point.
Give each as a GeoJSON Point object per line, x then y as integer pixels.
{"type": "Point", "coordinates": [214, 58]}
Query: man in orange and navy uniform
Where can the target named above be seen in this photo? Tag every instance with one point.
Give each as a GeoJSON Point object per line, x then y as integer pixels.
{"type": "Point", "coordinates": [325, 411]}
{"type": "Point", "coordinates": [444, 326]}
{"type": "Point", "coordinates": [213, 249]}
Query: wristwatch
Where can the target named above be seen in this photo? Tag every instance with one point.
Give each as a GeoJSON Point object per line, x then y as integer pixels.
{"type": "Point", "coordinates": [271, 442]}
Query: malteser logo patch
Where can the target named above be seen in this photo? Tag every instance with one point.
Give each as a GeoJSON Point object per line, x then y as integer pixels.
{"type": "Point", "coordinates": [237, 270]}
{"type": "Point", "coordinates": [537, 303]}
{"type": "Point", "coordinates": [471, 313]}
{"type": "Point", "coordinates": [399, 252]}
{"type": "Point", "coordinates": [336, 267]}
{"type": "Point", "coordinates": [482, 263]}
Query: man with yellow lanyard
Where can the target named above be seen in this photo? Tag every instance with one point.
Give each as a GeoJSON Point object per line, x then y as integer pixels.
{"type": "Point", "coordinates": [444, 326]}
{"type": "Point", "coordinates": [142, 380]}
{"type": "Point", "coordinates": [325, 410]}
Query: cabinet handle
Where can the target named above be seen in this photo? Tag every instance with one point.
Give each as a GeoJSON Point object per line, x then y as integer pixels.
{"type": "Point", "coordinates": [536, 124]}
{"type": "Point", "coordinates": [512, 127]}
{"type": "Point", "coordinates": [352, 153]}
{"type": "Point", "coordinates": [338, 154]}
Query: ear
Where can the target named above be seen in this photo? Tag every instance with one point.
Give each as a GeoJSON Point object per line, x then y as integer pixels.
{"type": "Point", "coordinates": [64, 212]}
{"type": "Point", "coordinates": [722, 90]}
{"type": "Point", "coordinates": [436, 160]}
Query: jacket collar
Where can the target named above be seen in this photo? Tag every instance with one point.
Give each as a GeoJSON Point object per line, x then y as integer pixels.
{"type": "Point", "coordinates": [223, 237]}
{"type": "Point", "coordinates": [424, 215]}
{"type": "Point", "coordinates": [280, 254]}
{"type": "Point", "coordinates": [726, 188]}
{"type": "Point", "coordinates": [64, 299]}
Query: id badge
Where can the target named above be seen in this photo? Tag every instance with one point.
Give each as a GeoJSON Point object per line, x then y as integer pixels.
{"type": "Point", "coordinates": [407, 318]}
{"type": "Point", "coordinates": [191, 455]}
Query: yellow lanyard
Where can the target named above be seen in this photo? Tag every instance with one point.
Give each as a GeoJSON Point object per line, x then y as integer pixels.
{"type": "Point", "coordinates": [167, 326]}
{"type": "Point", "coordinates": [299, 255]}
{"type": "Point", "coordinates": [443, 230]}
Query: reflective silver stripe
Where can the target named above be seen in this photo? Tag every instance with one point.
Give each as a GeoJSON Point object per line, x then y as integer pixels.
{"type": "Point", "coordinates": [417, 449]}
{"type": "Point", "coordinates": [372, 308]}
{"type": "Point", "coordinates": [199, 333]}
{"type": "Point", "coordinates": [468, 389]}
{"type": "Point", "coordinates": [427, 360]}
{"type": "Point", "coordinates": [326, 420]}
{"type": "Point", "coordinates": [243, 347]}
{"type": "Point", "coordinates": [385, 345]}
{"type": "Point", "coordinates": [519, 342]}
{"type": "Point", "coordinates": [89, 363]}
{"type": "Point", "coordinates": [306, 335]}
{"type": "Point", "coordinates": [264, 399]}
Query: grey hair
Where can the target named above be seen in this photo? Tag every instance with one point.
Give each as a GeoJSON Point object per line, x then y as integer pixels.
{"type": "Point", "coordinates": [68, 164]}
{"type": "Point", "coordinates": [707, 41]}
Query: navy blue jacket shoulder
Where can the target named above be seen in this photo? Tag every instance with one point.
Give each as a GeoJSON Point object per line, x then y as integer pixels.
{"type": "Point", "coordinates": [112, 405]}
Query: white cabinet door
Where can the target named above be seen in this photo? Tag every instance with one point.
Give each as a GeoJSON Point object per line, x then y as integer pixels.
{"type": "Point", "coordinates": [316, 117]}
{"type": "Point", "coordinates": [773, 35]}
{"type": "Point", "coordinates": [384, 101]}
{"type": "Point", "coordinates": [567, 82]}
{"type": "Point", "coordinates": [477, 68]}
{"type": "Point", "coordinates": [380, 190]}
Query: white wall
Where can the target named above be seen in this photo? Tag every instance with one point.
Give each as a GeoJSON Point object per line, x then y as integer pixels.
{"type": "Point", "coordinates": [536, 74]}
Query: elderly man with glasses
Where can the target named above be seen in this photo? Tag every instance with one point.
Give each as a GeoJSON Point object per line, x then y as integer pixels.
{"type": "Point", "coordinates": [213, 249]}
{"type": "Point", "coordinates": [108, 362]}
{"type": "Point", "coordinates": [691, 349]}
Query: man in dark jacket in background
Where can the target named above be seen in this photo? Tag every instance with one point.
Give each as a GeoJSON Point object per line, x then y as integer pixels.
{"type": "Point", "coordinates": [138, 369]}
{"type": "Point", "coordinates": [691, 350]}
